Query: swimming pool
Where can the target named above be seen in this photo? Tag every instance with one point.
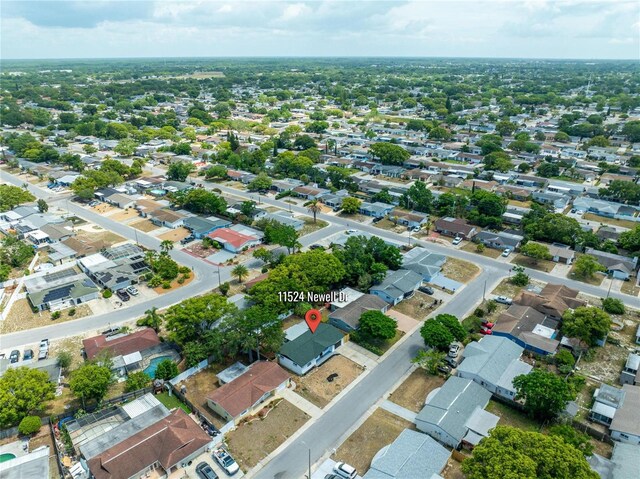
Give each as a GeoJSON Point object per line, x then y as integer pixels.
{"type": "Point", "coordinates": [7, 456]}
{"type": "Point", "coordinates": [153, 365]}
{"type": "Point", "coordinates": [157, 192]}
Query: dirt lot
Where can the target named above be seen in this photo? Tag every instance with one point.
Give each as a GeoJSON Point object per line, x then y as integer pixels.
{"type": "Point", "coordinates": [254, 440]}
{"type": "Point", "coordinates": [197, 249]}
{"type": "Point", "coordinates": [453, 470]}
{"type": "Point", "coordinates": [386, 224]}
{"type": "Point", "coordinates": [95, 233]}
{"type": "Point", "coordinates": [124, 215]}
{"type": "Point", "coordinates": [310, 226]}
{"type": "Point", "coordinates": [72, 345]}
{"type": "Point", "coordinates": [605, 363]}
{"type": "Point", "coordinates": [22, 317]}
{"type": "Point", "coordinates": [379, 430]}
{"type": "Point", "coordinates": [418, 306]}
{"type": "Point", "coordinates": [175, 235]}
{"type": "Point", "coordinates": [103, 208]}
{"type": "Point", "coordinates": [144, 226]}
{"type": "Point", "coordinates": [630, 288]}
{"type": "Point", "coordinates": [459, 270]}
{"type": "Point", "coordinates": [505, 288]}
{"type": "Point", "coordinates": [199, 386]}
{"type": "Point", "coordinates": [488, 252]}
{"type": "Point", "coordinates": [609, 221]}
{"type": "Point", "coordinates": [314, 385]}
{"type": "Point", "coordinates": [412, 393]}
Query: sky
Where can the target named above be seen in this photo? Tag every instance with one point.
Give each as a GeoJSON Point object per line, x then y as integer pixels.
{"type": "Point", "coordinates": [581, 29]}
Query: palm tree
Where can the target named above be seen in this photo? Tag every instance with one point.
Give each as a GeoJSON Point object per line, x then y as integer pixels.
{"type": "Point", "coordinates": [240, 272]}
{"type": "Point", "coordinates": [152, 319]}
{"type": "Point", "coordinates": [166, 246]}
{"type": "Point", "coordinates": [150, 256]}
{"type": "Point", "coordinates": [315, 208]}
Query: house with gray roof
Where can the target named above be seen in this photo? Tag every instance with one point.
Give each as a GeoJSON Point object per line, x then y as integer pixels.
{"type": "Point", "coordinates": [618, 266]}
{"type": "Point", "coordinates": [410, 219]}
{"type": "Point", "coordinates": [201, 227]}
{"type": "Point", "coordinates": [606, 401]}
{"type": "Point", "coordinates": [377, 209]}
{"type": "Point", "coordinates": [631, 371]}
{"type": "Point", "coordinates": [604, 208]}
{"type": "Point", "coordinates": [309, 350]}
{"type": "Point", "coordinates": [499, 240]}
{"type": "Point", "coordinates": [455, 411]}
{"type": "Point", "coordinates": [285, 218]}
{"type": "Point", "coordinates": [625, 426]}
{"type": "Point", "coordinates": [347, 318]}
{"type": "Point", "coordinates": [493, 363]}
{"type": "Point", "coordinates": [424, 262]}
{"type": "Point", "coordinates": [397, 285]}
{"type": "Point", "coordinates": [411, 455]}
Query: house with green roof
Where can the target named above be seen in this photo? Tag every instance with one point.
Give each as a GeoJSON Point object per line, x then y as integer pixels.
{"type": "Point", "coordinates": [308, 350]}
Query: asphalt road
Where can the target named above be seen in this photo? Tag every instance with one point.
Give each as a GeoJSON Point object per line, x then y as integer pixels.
{"type": "Point", "coordinates": [206, 277]}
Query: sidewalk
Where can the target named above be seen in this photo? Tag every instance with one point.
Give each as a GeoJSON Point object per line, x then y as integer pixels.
{"type": "Point", "coordinates": [301, 403]}
{"type": "Point", "coordinates": [400, 411]}
{"type": "Point", "coordinates": [359, 355]}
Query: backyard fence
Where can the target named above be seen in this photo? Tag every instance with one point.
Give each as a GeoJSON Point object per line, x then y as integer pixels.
{"type": "Point", "coordinates": [189, 372]}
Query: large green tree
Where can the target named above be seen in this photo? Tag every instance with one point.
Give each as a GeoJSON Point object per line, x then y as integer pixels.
{"type": "Point", "coordinates": [545, 394]}
{"type": "Point", "coordinates": [436, 335]}
{"type": "Point", "coordinates": [389, 154]}
{"type": "Point", "coordinates": [23, 391]}
{"type": "Point", "coordinates": [91, 381]}
{"type": "Point", "coordinates": [179, 170]}
{"type": "Point", "coordinates": [418, 198]}
{"type": "Point", "coordinates": [12, 196]}
{"type": "Point", "coordinates": [588, 324]}
{"type": "Point", "coordinates": [377, 326]}
{"type": "Point", "coordinates": [509, 452]}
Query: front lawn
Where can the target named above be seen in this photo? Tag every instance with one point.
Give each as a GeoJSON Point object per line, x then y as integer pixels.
{"type": "Point", "coordinates": [539, 264]}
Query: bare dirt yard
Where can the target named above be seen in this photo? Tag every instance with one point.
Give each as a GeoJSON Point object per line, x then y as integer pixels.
{"type": "Point", "coordinates": [103, 208]}
{"type": "Point", "coordinates": [21, 317]}
{"type": "Point", "coordinates": [488, 252]}
{"type": "Point", "coordinates": [418, 306]}
{"type": "Point", "coordinates": [175, 235]}
{"type": "Point", "coordinates": [379, 430]}
{"type": "Point", "coordinates": [459, 270]}
{"type": "Point", "coordinates": [196, 248]}
{"type": "Point", "coordinates": [314, 385]}
{"type": "Point", "coordinates": [453, 470]}
{"type": "Point", "coordinates": [124, 215]}
{"type": "Point", "coordinates": [412, 393]}
{"type": "Point", "coordinates": [94, 233]}
{"type": "Point", "coordinates": [199, 386]}
{"type": "Point", "coordinates": [255, 439]}
{"type": "Point", "coordinates": [144, 225]}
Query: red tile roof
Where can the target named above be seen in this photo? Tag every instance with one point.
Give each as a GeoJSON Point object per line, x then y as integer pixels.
{"type": "Point", "coordinates": [131, 343]}
{"type": "Point", "coordinates": [168, 442]}
{"type": "Point", "coordinates": [246, 390]}
{"type": "Point", "coordinates": [226, 235]}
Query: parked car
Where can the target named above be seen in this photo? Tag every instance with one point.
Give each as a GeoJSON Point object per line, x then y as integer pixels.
{"type": "Point", "coordinates": [453, 362]}
{"type": "Point", "coordinates": [486, 331]}
{"type": "Point", "coordinates": [503, 300]}
{"type": "Point", "coordinates": [133, 291]}
{"type": "Point", "coordinates": [204, 471]}
{"type": "Point", "coordinates": [43, 350]}
{"type": "Point", "coordinates": [123, 295]}
{"type": "Point", "coordinates": [456, 240]}
{"type": "Point", "coordinates": [352, 232]}
{"type": "Point", "coordinates": [444, 368]}
{"type": "Point", "coordinates": [332, 476]}
{"type": "Point", "coordinates": [188, 239]}
{"type": "Point", "coordinates": [14, 357]}
{"type": "Point", "coordinates": [487, 324]}
{"type": "Point", "coordinates": [426, 289]}
{"type": "Point", "coordinates": [228, 463]}
{"type": "Point", "coordinates": [454, 349]}
{"type": "Point", "coordinates": [27, 354]}
{"type": "Point", "coordinates": [415, 229]}
{"type": "Point", "coordinates": [316, 246]}
{"type": "Point", "coordinates": [506, 252]}
{"type": "Point", "coordinates": [344, 470]}
{"type": "Point", "coordinates": [94, 203]}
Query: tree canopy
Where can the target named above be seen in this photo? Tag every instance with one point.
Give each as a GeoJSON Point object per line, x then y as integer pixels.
{"type": "Point", "coordinates": [23, 391]}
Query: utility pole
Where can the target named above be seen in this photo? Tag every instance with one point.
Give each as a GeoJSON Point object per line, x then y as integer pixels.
{"type": "Point", "coordinates": [484, 291]}
{"type": "Point", "coordinates": [219, 280]}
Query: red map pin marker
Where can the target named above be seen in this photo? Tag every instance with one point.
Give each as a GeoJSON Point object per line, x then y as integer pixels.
{"type": "Point", "coordinates": [313, 318]}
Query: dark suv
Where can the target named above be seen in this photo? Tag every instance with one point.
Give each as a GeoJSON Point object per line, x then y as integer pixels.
{"type": "Point", "coordinates": [123, 295]}
{"type": "Point", "coordinates": [204, 471]}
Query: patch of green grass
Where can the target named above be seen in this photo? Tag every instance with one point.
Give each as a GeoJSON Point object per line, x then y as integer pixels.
{"type": "Point", "coordinates": [512, 417]}
{"type": "Point", "coordinates": [172, 402]}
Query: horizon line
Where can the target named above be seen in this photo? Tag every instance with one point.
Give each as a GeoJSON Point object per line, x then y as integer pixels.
{"type": "Point", "coordinates": [243, 57]}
